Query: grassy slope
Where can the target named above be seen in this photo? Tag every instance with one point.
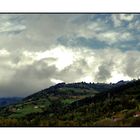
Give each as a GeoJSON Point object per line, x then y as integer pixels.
{"type": "Point", "coordinates": [65, 95]}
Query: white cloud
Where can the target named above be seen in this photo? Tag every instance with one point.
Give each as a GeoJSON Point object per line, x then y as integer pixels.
{"type": "Point", "coordinates": [111, 37]}
{"type": "Point", "coordinates": [118, 19]}
{"type": "Point", "coordinates": [97, 26]}
{"type": "Point", "coordinates": [8, 27]}
{"type": "Point", "coordinates": [9, 24]}
{"type": "Point", "coordinates": [56, 81]}
{"type": "Point", "coordinates": [135, 25]}
{"type": "Point", "coordinates": [101, 31]}
{"type": "Point", "coordinates": [4, 52]}
{"type": "Point", "coordinates": [126, 17]}
{"type": "Point", "coordinates": [87, 79]}
{"type": "Point", "coordinates": [118, 77]}
{"type": "Point", "coordinates": [64, 57]}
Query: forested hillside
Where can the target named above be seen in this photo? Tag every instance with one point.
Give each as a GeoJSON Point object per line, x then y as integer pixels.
{"type": "Point", "coordinates": [78, 104]}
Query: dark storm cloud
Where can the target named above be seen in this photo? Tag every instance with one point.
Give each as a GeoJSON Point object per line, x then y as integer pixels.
{"type": "Point", "coordinates": [132, 63]}
{"type": "Point", "coordinates": [29, 79]}
{"type": "Point", "coordinates": [103, 73]}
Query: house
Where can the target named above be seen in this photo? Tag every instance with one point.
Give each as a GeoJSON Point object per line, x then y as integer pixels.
{"type": "Point", "coordinates": [115, 119]}
{"type": "Point", "coordinates": [12, 109]}
{"type": "Point", "coordinates": [35, 107]}
{"type": "Point", "coordinates": [137, 114]}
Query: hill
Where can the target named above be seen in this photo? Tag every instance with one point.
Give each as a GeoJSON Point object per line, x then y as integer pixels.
{"type": "Point", "coordinates": [63, 94]}
{"type": "Point", "coordinates": [73, 89]}
{"type": "Point", "coordinates": [78, 104]}
{"type": "Point", "coordinates": [9, 100]}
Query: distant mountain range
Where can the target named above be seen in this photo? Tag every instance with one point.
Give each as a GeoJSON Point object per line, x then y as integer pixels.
{"type": "Point", "coordinates": [76, 104]}
{"type": "Point", "coordinates": [9, 100]}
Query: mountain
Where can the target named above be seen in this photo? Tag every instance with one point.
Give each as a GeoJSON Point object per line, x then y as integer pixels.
{"type": "Point", "coordinates": [72, 89]}
{"type": "Point", "coordinates": [9, 100]}
{"type": "Point", "coordinates": [78, 104]}
{"type": "Point", "coordinates": [61, 94]}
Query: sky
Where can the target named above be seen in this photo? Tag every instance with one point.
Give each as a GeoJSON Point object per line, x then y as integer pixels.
{"type": "Point", "coordinates": [40, 50]}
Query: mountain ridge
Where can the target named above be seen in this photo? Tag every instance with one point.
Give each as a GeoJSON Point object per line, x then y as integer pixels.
{"type": "Point", "coordinates": [96, 86]}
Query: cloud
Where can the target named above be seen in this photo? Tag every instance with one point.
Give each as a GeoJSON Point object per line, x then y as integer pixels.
{"type": "Point", "coordinates": [28, 79]}
{"type": "Point", "coordinates": [115, 37]}
{"type": "Point", "coordinates": [33, 31]}
{"type": "Point", "coordinates": [116, 20]}
{"type": "Point", "coordinates": [132, 62]}
{"type": "Point", "coordinates": [4, 52]}
{"type": "Point", "coordinates": [103, 73]}
{"type": "Point", "coordinates": [101, 32]}
{"type": "Point", "coordinates": [11, 24]}
{"type": "Point", "coordinates": [126, 17]}
{"type": "Point", "coordinates": [37, 70]}
{"type": "Point", "coordinates": [39, 50]}
{"type": "Point", "coordinates": [119, 19]}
